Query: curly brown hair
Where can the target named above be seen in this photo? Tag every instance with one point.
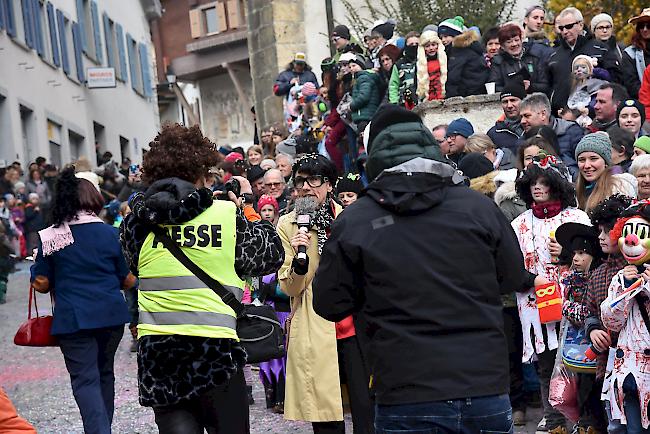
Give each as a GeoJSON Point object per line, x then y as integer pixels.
{"type": "Point", "coordinates": [180, 152]}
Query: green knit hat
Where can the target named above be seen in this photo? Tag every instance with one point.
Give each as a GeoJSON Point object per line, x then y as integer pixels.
{"type": "Point", "coordinates": [452, 26]}
{"type": "Point", "coordinates": [643, 143]}
{"type": "Point", "coordinates": [599, 143]}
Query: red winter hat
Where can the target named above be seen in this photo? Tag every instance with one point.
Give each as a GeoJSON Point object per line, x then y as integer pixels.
{"type": "Point", "coordinates": [309, 89]}
{"type": "Point", "coordinates": [234, 156]}
{"type": "Point", "coordinates": [268, 200]}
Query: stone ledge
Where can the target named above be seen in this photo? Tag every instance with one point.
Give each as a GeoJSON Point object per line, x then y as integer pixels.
{"type": "Point", "coordinates": [456, 102]}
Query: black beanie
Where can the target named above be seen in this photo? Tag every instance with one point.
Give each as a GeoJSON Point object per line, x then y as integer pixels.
{"type": "Point", "coordinates": [387, 115]}
{"type": "Point", "coordinates": [350, 183]}
{"type": "Point", "coordinates": [385, 30]}
{"type": "Point", "coordinates": [474, 165]}
{"type": "Point", "coordinates": [631, 103]}
{"type": "Point", "coordinates": [513, 88]}
{"type": "Point", "coordinates": [341, 31]}
{"type": "Point", "coordinates": [254, 173]}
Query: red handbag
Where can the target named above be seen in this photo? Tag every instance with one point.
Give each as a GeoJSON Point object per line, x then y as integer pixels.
{"type": "Point", "coordinates": [35, 332]}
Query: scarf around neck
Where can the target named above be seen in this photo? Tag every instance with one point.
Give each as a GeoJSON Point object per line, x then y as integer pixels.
{"type": "Point", "coordinates": [56, 238]}
{"type": "Point", "coordinates": [323, 221]}
{"type": "Point", "coordinates": [546, 209]}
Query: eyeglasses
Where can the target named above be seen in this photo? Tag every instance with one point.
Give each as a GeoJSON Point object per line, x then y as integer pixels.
{"type": "Point", "coordinates": [314, 181]}
{"type": "Point", "coordinates": [274, 184]}
{"type": "Point", "coordinates": [335, 38]}
{"type": "Point", "coordinates": [452, 136]}
{"type": "Point", "coordinates": [603, 28]}
{"type": "Point", "coordinates": [643, 26]}
{"type": "Point", "coordinates": [567, 26]}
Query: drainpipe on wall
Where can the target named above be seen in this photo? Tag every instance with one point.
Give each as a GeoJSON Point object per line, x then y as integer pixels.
{"type": "Point", "coordinates": [330, 23]}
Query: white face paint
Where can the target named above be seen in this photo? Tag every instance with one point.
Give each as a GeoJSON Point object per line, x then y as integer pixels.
{"type": "Point", "coordinates": [580, 71]}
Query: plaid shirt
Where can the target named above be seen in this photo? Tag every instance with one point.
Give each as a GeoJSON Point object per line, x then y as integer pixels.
{"type": "Point", "coordinates": [597, 291]}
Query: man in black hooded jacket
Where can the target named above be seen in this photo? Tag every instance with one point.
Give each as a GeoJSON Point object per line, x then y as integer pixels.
{"type": "Point", "coordinates": [424, 260]}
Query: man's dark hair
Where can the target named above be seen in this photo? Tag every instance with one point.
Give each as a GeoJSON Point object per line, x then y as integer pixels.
{"type": "Point", "coordinates": [619, 93]}
{"type": "Point", "coordinates": [622, 140]}
{"type": "Point", "coordinates": [315, 164]}
{"type": "Point", "coordinates": [40, 160]}
{"type": "Point", "coordinates": [489, 34]}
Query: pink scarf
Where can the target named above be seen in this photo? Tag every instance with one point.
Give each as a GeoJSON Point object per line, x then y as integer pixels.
{"type": "Point", "coordinates": [54, 239]}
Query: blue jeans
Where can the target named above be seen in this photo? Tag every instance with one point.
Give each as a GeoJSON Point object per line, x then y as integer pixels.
{"type": "Point", "coordinates": [488, 414]}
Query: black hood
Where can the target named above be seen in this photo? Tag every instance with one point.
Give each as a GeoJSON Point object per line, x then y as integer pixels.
{"type": "Point", "coordinates": [170, 201]}
{"type": "Point", "coordinates": [414, 186]}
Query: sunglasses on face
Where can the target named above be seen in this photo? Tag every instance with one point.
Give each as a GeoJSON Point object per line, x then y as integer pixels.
{"type": "Point", "coordinates": [314, 181]}
{"type": "Point", "coordinates": [567, 26]}
{"type": "Point", "coordinates": [274, 184]}
{"type": "Point", "coordinates": [643, 26]}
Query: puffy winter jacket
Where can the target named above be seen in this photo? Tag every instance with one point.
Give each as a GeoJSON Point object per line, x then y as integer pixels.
{"type": "Point", "coordinates": [568, 135]}
{"type": "Point", "coordinates": [559, 66]}
{"type": "Point", "coordinates": [506, 136]}
{"type": "Point", "coordinates": [631, 71]}
{"type": "Point", "coordinates": [467, 71]}
{"type": "Point", "coordinates": [530, 66]}
{"type": "Point", "coordinates": [403, 82]}
{"type": "Point", "coordinates": [366, 96]}
{"type": "Point", "coordinates": [644, 92]}
{"type": "Point", "coordinates": [283, 82]}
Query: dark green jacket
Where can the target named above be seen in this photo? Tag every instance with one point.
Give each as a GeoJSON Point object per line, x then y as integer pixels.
{"type": "Point", "coordinates": [366, 96]}
{"type": "Point", "coordinates": [399, 143]}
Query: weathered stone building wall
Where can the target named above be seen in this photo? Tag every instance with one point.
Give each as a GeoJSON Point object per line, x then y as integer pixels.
{"type": "Point", "coordinates": [481, 110]}
{"type": "Point", "coordinates": [275, 33]}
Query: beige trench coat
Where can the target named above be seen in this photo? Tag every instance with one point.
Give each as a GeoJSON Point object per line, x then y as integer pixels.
{"type": "Point", "coordinates": [313, 387]}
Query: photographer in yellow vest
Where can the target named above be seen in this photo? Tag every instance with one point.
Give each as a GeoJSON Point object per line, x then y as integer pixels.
{"type": "Point", "coordinates": [189, 357]}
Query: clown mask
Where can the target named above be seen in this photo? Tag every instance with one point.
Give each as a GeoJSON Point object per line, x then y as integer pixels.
{"type": "Point", "coordinates": [635, 241]}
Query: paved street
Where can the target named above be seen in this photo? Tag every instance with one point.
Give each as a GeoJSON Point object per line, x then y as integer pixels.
{"type": "Point", "coordinates": [38, 383]}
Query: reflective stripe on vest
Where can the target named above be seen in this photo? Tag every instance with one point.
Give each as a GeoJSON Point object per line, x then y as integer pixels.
{"type": "Point", "coordinates": [188, 318]}
{"type": "Point", "coordinates": [180, 283]}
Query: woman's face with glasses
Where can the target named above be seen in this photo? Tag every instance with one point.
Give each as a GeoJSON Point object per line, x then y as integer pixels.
{"type": "Point", "coordinates": [603, 31]}
{"type": "Point", "coordinates": [316, 186]}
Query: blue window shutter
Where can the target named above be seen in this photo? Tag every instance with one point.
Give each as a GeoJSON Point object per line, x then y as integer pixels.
{"type": "Point", "coordinates": [38, 28]}
{"type": "Point", "coordinates": [132, 59]}
{"type": "Point", "coordinates": [81, 19]}
{"type": "Point", "coordinates": [27, 22]}
{"type": "Point", "coordinates": [99, 54]}
{"type": "Point", "coordinates": [53, 39]}
{"type": "Point", "coordinates": [108, 34]}
{"type": "Point", "coordinates": [145, 68]}
{"type": "Point", "coordinates": [119, 33]}
{"type": "Point", "coordinates": [2, 14]}
{"type": "Point", "coordinates": [65, 61]}
{"type": "Point", "coordinates": [10, 18]}
{"type": "Point", "coordinates": [78, 49]}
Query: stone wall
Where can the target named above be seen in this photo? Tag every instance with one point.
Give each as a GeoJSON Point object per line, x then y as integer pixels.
{"type": "Point", "coordinates": [275, 34]}
{"type": "Point", "coordinates": [481, 110]}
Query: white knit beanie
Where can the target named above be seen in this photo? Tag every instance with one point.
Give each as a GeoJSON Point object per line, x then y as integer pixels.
{"type": "Point", "coordinates": [599, 19]}
{"type": "Point", "coordinates": [422, 89]}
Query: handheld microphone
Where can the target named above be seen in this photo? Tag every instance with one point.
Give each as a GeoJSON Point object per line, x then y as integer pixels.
{"type": "Point", "coordinates": [305, 208]}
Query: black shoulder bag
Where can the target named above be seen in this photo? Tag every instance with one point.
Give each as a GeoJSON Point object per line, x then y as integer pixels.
{"type": "Point", "coordinates": [258, 327]}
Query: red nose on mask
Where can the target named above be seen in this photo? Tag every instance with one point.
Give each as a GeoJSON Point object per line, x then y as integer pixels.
{"type": "Point", "coordinates": [631, 240]}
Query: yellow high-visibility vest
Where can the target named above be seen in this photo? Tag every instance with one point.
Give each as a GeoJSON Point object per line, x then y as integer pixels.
{"type": "Point", "coordinates": [171, 300]}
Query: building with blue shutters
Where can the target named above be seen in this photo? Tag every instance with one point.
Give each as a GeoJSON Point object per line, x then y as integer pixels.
{"type": "Point", "coordinates": [49, 54]}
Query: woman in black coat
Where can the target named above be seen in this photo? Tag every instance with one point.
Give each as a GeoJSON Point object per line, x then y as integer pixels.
{"type": "Point", "coordinates": [520, 62]}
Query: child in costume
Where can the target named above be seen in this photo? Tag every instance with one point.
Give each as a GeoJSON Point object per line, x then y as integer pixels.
{"type": "Point", "coordinates": [580, 243]}
{"type": "Point", "coordinates": [584, 88]}
{"type": "Point", "coordinates": [546, 189]}
{"type": "Point", "coordinates": [625, 310]}
{"type": "Point", "coordinates": [431, 67]}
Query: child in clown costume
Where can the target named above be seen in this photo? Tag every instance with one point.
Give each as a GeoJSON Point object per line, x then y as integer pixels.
{"type": "Point", "coordinates": [546, 188]}
{"type": "Point", "coordinates": [627, 314]}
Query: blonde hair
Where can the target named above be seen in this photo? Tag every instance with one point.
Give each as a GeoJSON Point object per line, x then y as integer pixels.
{"type": "Point", "coordinates": [479, 143]}
{"type": "Point", "coordinates": [604, 188]}
{"type": "Point", "coordinates": [422, 70]}
{"type": "Point", "coordinates": [255, 148]}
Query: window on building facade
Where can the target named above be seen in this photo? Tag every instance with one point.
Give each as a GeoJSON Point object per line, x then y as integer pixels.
{"type": "Point", "coordinates": [134, 64]}
{"type": "Point", "coordinates": [54, 139]}
{"type": "Point", "coordinates": [28, 131]}
{"type": "Point", "coordinates": [110, 40]}
{"type": "Point", "coordinates": [217, 17]}
{"type": "Point", "coordinates": [76, 142]}
{"type": "Point", "coordinates": [44, 31]}
{"type": "Point", "coordinates": [53, 35]}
